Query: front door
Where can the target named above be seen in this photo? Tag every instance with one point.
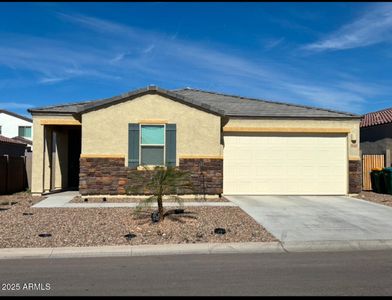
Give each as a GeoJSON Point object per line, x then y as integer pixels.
{"type": "Point", "coordinates": [74, 150]}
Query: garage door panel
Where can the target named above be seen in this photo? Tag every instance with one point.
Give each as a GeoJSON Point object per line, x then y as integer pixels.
{"type": "Point", "coordinates": [284, 164]}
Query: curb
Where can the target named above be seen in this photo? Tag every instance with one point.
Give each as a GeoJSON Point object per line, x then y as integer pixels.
{"type": "Point", "coordinates": [336, 246]}
{"type": "Point", "coordinates": [205, 248]}
{"type": "Point", "coordinates": [140, 250]}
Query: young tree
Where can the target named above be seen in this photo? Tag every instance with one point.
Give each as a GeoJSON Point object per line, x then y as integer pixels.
{"type": "Point", "coordinates": [163, 181]}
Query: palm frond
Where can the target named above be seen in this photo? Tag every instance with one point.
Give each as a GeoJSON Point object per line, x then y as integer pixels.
{"type": "Point", "coordinates": [145, 203]}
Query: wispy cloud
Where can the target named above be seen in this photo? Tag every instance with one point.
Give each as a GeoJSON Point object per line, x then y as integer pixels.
{"type": "Point", "coordinates": [373, 27]}
{"type": "Point", "coordinates": [15, 105]}
{"type": "Point", "coordinates": [149, 49]}
{"type": "Point", "coordinates": [334, 97]}
{"type": "Point", "coordinates": [113, 52]}
{"type": "Point", "coordinates": [51, 79]}
{"type": "Point", "coordinates": [272, 43]}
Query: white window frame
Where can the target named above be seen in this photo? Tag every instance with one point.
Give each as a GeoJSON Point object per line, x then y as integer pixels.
{"type": "Point", "coordinates": [153, 145]}
{"type": "Point", "coordinates": [25, 126]}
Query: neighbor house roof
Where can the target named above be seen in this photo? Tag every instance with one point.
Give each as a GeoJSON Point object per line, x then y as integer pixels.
{"type": "Point", "coordinates": [377, 118]}
{"type": "Point", "coordinates": [7, 140]}
{"type": "Point", "coordinates": [221, 104]}
{"type": "Point", "coordinates": [22, 140]}
{"type": "Point", "coordinates": [15, 115]}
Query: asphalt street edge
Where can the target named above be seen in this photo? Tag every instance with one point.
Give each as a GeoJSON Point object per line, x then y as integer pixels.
{"type": "Point", "coordinates": [202, 248]}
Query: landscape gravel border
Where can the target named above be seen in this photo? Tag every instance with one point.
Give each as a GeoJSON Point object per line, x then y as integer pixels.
{"type": "Point", "coordinates": [383, 199]}
{"type": "Point", "coordinates": [22, 224]}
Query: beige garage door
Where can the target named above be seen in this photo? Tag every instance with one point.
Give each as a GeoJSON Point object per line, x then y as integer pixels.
{"type": "Point", "coordinates": [285, 164]}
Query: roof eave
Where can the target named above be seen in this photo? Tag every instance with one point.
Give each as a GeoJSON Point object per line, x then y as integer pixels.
{"type": "Point", "coordinates": [292, 117]}
{"type": "Point", "coordinates": [16, 115]}
{"type": "Point", "coordinates": [374, 125]}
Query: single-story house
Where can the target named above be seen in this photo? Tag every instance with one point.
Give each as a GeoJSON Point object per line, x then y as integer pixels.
{"type": "Point", "coordinates": [12, 147]}
{"type": "Point", "coordinates": [231, 144]}
{"type": "Point", "coordinates": [376, 134]}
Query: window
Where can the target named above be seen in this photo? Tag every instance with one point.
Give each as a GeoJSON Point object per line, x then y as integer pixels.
{"type": "Point", "coordinates": [25, 131]}
{"type": "Point", "coordinates": [152, 145]}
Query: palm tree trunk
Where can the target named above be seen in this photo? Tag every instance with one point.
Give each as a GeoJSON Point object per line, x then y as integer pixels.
{"type": "Point", "coordinates": [160, 207]}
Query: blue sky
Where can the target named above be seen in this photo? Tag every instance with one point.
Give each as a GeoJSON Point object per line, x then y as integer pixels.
{"type": "Point", "coordinates": [332, 55]}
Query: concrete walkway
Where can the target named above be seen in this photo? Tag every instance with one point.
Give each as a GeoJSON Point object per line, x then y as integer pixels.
{"type": "Point", "coordinates": [62, 200]}
{"type": "Point", "coordinates": [318, 218]}
{"type": "Point", "coordinates": [56, 200]}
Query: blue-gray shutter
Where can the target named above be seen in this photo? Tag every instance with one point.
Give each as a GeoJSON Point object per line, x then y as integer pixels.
{"type": "Point", "coordinates": [171, 145]}
{"type": "Point", "coordinates": [133, 145]}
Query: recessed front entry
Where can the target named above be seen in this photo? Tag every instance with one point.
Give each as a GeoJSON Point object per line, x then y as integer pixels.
{"type": "Point", "coordinates": [74, 150]}
{"type": "Point", "coordinates": [285, 164]}
{"type": "Point", "coordinates": [64, 147]}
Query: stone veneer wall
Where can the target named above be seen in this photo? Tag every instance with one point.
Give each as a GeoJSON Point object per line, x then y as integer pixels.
{"type": "Point", "coordinates": [109, 176]}
{"type": "Point", "coordinates": [102, 176]}
{"type": "Point", "coordinates": [206, 174]}
{"type": "Point", "coordinates": [355, 176]}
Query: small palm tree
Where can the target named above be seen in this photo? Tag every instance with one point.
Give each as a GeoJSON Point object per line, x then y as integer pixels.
{"type": "Point", "coordinates": [163, 181]}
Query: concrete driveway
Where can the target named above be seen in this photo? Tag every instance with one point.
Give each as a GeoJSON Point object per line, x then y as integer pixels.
{"type": "Point", "coordinates": [318, 218]}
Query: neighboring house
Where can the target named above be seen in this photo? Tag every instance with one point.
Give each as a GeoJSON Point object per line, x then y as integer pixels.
{"type": "Point", "coordinates": [376, 134]}
{"type": "Point", "coordinates": [15, 167]}
{"type": "Point", "coordinates": [11, 147]}
{"type": "Point", "coordinates": [231, 144]}
{"type": "Point", "coordinates": [14, 125]}
{"type": "Point", "coordinates": [28, 142]}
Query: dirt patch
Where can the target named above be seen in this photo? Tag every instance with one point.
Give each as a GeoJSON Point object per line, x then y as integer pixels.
{"type": "Point", "coordinates": [21, 199]}
{"type": "Point", "coordinates": [385, 199]}
{"type": "Point", "coordinates": [79, 199]}
{"type": "Point", "coordinates": [21, 225]}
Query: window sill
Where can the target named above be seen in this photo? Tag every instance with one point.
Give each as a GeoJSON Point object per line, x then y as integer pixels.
{"type": "Point", "coordinates": [149, 167]}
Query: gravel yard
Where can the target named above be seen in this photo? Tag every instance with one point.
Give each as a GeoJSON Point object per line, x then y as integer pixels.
{"type": "Point", "coordinates": [20, 226]}
{"type": "Point", "coordinates": [131, 199]}
{"type": "Point", "coordinates": [22, 198]}
{"type": "Point", "coordinates": [385, 199]}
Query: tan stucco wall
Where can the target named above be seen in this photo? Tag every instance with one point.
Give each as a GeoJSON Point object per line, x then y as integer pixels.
{"type": "Point", "coordinates": [351, 124]}
{"type": "Point", "coordinates": [38, 177]}
{"type": "Point", "coordinates": [105, 131]}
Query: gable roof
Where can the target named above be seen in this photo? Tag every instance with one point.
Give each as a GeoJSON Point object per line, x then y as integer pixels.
{"type": "Point", "coordinates": [221, 104]}
{"type": "Point", "coordinates": [377, 118]}
{"type": "Point", "coordinates": [15, 115]}
{"type": "Point", "coordinates": [83, 107]}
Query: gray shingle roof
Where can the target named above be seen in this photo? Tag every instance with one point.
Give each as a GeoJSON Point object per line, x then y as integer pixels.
{"type": "Point", "coordinates": [83, 107]}
{"type": "Point", "coordinates": [221, 104]}
{"type": "Point", "coordinates": [250, 107]}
